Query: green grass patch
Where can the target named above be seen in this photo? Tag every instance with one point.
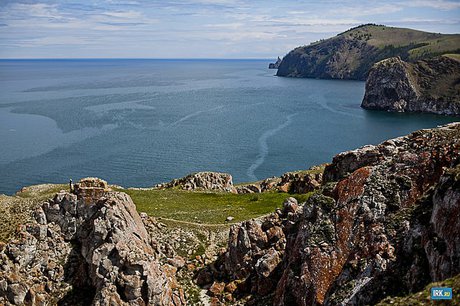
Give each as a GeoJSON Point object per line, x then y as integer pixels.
{"type": "Point", "coordinates": [207, 207]}
{"type": "Point", "coordinates": [40, 192]}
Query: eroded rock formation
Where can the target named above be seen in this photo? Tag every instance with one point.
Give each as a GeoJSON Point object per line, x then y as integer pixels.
{"type": "Point", "coordinates": [215, 181]}
{"type": "Point", "coordinates": [87, 247]}
{"type": "Point", "coordinates": [385, 222]}
{"type": "Point", "coordinates": [431, 86]}
{"type": "Point", "coordinates": [293, 182]}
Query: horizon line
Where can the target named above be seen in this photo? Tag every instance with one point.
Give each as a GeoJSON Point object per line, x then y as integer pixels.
{"type": "Point", "coordinates": [137, 58]}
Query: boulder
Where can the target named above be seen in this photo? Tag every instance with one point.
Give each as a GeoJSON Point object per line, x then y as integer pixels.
{"type": "Point", "coordinates": [214, 181]}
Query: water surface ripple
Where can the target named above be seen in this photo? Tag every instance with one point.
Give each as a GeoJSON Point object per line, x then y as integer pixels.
{"type": "Point", "coordinates": [142, 122]}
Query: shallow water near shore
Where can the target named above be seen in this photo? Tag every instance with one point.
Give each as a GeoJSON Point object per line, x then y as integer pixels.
{"type": "Point", "coordinates": [142, 122]}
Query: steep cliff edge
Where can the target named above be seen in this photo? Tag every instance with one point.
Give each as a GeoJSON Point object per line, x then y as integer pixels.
{"type": "Point", "coordinates": [381, 221]}
{"type": "Point", "coordinates": [350, 55]}
{"type": "Point", "coordinates": [385, 223]}
{"type": "Point", "coordinates": [431, 86]}
{"type": "Point", "coordinates": [87, 247]}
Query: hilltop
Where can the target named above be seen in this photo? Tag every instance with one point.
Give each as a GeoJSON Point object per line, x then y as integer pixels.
{"type": "Point", "coordinates": [351, 54]}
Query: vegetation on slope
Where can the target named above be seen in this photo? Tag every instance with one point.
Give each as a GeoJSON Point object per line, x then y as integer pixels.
{"type": "Point", "coordinates": [174, 204]}
{"type": "Point", "coordinates": [16, 210]}
{"type": "Point", "coordinates": [351, 54]}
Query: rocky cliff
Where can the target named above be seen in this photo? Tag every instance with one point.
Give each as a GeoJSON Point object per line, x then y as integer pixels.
{"type": "Point", "coordinates": [384, 223]}
{"type": "Point", "coordinates": [86, 247]}
{"type": "Point", "coordinates": [350, 55]}
{"type": "Point", "coordinates": [275, 65]}
{"type": "Point", "coordinates": [431, 86]}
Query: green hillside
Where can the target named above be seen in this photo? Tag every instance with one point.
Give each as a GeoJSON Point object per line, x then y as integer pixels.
{"type": "Point", "coordinates": [351, 54]}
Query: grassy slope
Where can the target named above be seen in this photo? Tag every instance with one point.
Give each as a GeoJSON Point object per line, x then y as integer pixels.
{"type": "Point", "coordinates": [207, 207]}
{"type": "Point", "coordinates": [381, 36]}
{"type": "Point", "coordinates": [211, 208]}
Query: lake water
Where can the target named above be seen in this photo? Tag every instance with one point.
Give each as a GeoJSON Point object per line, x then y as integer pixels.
{"type": "Point", "coordinates": [142, 122]}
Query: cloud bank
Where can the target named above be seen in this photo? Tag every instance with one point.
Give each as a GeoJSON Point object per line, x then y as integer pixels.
{"type": "Point", "coordinates": [198, 28]}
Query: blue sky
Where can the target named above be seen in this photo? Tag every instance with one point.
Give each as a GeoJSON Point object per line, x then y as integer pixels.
{"type": "Point", "coordinates": [198, 28]}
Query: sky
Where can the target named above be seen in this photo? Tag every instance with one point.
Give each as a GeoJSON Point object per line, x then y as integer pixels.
{"type": "Point", "coordinates": [199, 28]}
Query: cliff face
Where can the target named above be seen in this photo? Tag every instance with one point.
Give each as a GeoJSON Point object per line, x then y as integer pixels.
{"type": "Point", "coordinates": [350, 55]}
{"type": "Point", "coordinates": [85, 248]}
{"type": "Point", "coordinates": [431, 86]}
{"type": "Point", "coordinates": [331, 59]}
{"type": "Point", "coordinates": [275, 65]}
{"type": "Point", "coordinates": [385, 222]}
{"type": "Point", "coordinates": [382, 221]}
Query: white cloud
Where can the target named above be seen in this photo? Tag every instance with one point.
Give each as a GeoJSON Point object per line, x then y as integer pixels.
{"type": "Point", "coordinates": [125, 14]}
{"type": "Point", "coordinates": [436, 4]}
{"type": "Point", "coordinates": [202, 28]}
{"type": "Point", "coordinates": [366, 10]}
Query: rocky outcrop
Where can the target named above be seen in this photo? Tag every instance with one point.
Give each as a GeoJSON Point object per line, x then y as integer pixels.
{"type": "Point", "coordinates": [431, 86]}
{"type": "Point", "coordinates": [255, 249]}
{"type": "Point", "coordinates": [385, 222]}
{"type": "Point", "coordinates": [442, 237]}
{"type": "Point", "coordinates": [275, 65]}
{"type": "Point", "coordinates": [330, 59]}
{"type": "Point", "coordinates": [87, 247]}
{"type": "Point", "coordinates": [202, 181]}
{"type": "Point", "coordinates": [293, 182]}
{"type": "Point", "coordinates": [297, 182]}
{"type": "Point", "coordinates": [374, 248]}
{"type": "Point", "coordinates": [351, 54]}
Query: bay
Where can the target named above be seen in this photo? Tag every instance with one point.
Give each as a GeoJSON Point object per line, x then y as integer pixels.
{"type": "Point", "coordinates": [138, 122]}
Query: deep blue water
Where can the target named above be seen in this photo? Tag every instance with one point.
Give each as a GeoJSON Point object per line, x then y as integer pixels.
{"type": "Point", "coordinates": [142, 122]}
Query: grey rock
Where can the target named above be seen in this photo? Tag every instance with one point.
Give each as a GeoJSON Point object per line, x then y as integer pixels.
{"type": "Point", "coordinates": [94, 238]}
{"type": "Point", "coordinates": [425, 86]}
{"type": "Point", "coordinates": [202, 181]}
{"type": "Point", "coordinates": [16, 293]}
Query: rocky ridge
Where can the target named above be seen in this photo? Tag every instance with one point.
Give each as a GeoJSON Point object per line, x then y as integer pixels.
{"type": "Point", "coordinates": [431, 86]}
{"type": "Point", "coordinates": [275, 65]}
{"type": "Point", "coordinates": [351, 54]}
{"type": "Point", "coordinates": [86, 247]}
{"type": "Point", "coordinates": [377, 227]}
{"type": "Point", "coordinates": [211, 181]}
{"type": "Point", "coordinates": [294, 182]}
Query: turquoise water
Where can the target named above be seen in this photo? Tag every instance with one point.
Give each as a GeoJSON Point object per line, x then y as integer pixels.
{"type": "Point", "coordinates": [142, 122]}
